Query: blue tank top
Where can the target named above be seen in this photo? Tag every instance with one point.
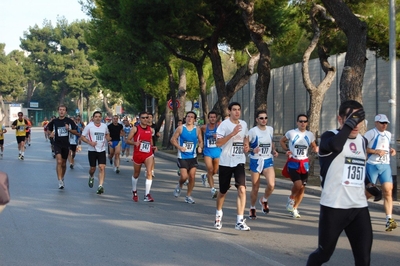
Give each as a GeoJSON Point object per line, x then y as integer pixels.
{"type": "Point", "coordinates": [189, 140]}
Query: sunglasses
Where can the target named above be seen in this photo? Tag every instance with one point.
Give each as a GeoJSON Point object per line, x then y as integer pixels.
{"type": "Point", "coordinates": [302, 121]}
{"type": "Point", "coordinates": [144, 117]}
{"type": "Point", "coordinates": [383, 123]}
{"type": "Point", "coordinates": [263, 118]}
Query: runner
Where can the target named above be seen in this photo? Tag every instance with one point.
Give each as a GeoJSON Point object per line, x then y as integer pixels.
{"type": "Point", "coordinates": [232, 137]}
{"type": "Point", "coordinates": [80, 126]}
{"type": "Point", "coordinates": [343, 205]}
{"type": "Point", "coordinates": [28, 132]}
{"type": "Point", "coordinates": [96, 134]}
{"type": "Point", "coordinates": [72, 146]}
{"type": "Point", "coordinates": [2, 131]}
{"type": "Point", "coordinates": [125, 146]}
{"type": "Point", "coordinates": [299, 140]}
{"type": "Point", "coordinates": [140, 137]}
{"type": "Point", "coordinates": [44, 125]}
{"type": "Point", "coordinates": [20, 126]}
{"type": "Point", "coordinates": [261, 162]}
{"type": "Point", "coordinates": [186, 138]}
{"type": "Point", "coordinates": [378, 164]}
{"type": "Point", "coordinates": [116, 132]}
{"type": "Point", "coordinates": [62, 126]}
{"type": "Point", "coordinates": [211, 152]}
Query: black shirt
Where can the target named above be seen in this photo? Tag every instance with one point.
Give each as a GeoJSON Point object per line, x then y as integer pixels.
{"type": "Point", "coordinates": [61, 137]}
{"type": "Point", "coordinates": [115, 131]}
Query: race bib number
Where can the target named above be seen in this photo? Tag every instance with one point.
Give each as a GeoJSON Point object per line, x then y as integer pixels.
{"type": "Point", "coordinates": [62, 132]}
{"type": "Point", "coordinates": [300, 151]}
{"type": "Point", "coordinates": [237, 148]}
{"type": "Point", "coordinates": [264, 149]}
{"type": "Point", "coordinates": [145, 146]}
{"type": "Point", "coordinates": [21, 128]}
{"type": "Point", "coordinates": [384, 158]}
{"type": "Point", "coordinates": [189, 146]}
{"type": "Point", "coordinates": [211, 142]}
{"type": "Point", "coordinates": [353, 172]}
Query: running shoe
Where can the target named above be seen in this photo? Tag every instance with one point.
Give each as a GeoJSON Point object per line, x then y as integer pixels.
{"type": "Point", "coordinates": [19, 156]}
{"type": "Point", "coordinates": [252, 214]}
{"type": "Point", "coordinates": [60, 184]}
{"type": "Point", "coordinates": [22, 158]}
{"type": "Point", "coordinates": [111, 161]}
{"type": "Point", "coordinates": [204, 180]}
{"type": "Point", "coordinates": [186, 182]}
{"type": "Point", "coordinates": [71, 166]}
{"type": "Point", "coordinates": [242, 226]}
{"type": "Point", "coordinates": [189, 199]}
{"type": "Point", "coordinates": [1, 156]}
{"type": "Point", "coordinates": [177, 191]}
{"type": "Point", "coordinates": [148, 198]}
{"type": "Point", "coordinates": [117, 170]}
{"type": "Point", "coordinates": [91, 181]}
{"type": "Point", "coordinates": [217, 222]}
{"type": "Point", "coordinates": [135, 197]}
{"type": "Point", "coordinates": [178, 172]}
{"type": "Point", "coordinates": [264, 206]}
{"type": "Point", "coordinates": [391, 224]}
{"type": "Point", "coordinates": [152, 173]}
{"type": "Point", "coordinates": [29, 144]}
{"type": "Point", "coordinates": [295, 213]}
{"type": "Point", "coordinates": [100, 190]}
{"type": "Point", "coordinates": [290, 204]}
{"type": "Point", "coordinates": [214, 193]}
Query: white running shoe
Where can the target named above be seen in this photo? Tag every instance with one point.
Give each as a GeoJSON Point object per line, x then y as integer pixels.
{"type": "Point", "coordinates": [60, 184]}
{"type": "Point", "coordinates": [296, 214]}
{"type": "Point", "coordinates": [217, 222]}
{"type": "Point", "coordinates": [204, 180]}
{"type": "Point", "coordinates": [290, 204]}
{"type": "Point", "coordinates": [242, 226]}
{"type": "Point", "coordinates": [177, 191]}
{"type": "Point", "coordinates": [214, 193]}
{"type": "Point", "coordinates": [190, 200]}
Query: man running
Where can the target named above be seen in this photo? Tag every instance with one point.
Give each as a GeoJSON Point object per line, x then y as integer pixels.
{"type": "Point", "coordinates": [378, 164]}
{"type": "Point", "coordinates": [96, 134]}
{"type": "Point", "coordinates": [80, 126]}
{"type": "Point", "coordinates": [125, 146]}
{"type": "Point", "coordinates": [261, 162]}
{"type": "Point", "coordinates": [232, 137]}
{"type": "Point", "coordinates": [2, 131]}
{"type": "Point", "coordinates": [62, 126]}
{"type": "Point", "coordinates": [343, 204]}
{"type": "Point", "coordinates": [299, 140]}
{"type": "Point", "coordinates": [20, 126]}
{"type": "Point", "coordinates": [72, 146]}
{"type": "Point", "coordinates": [140, 137]}
{"type": "Point", "coordinates": [186, 138]}
{"type": "Point", "coordinates": [44, 125]}
{"type": "Point", "coordinates": [116, 131]}
{"type": "Point", "coordinates": [211, 152]}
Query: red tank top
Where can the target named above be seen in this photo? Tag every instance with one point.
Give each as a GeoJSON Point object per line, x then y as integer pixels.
{"type": "Point", "coordinates": [144, 136]}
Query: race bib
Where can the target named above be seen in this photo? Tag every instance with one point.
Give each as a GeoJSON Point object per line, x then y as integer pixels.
{"type": "Point", "coordinates": [189, 146]}
{"type": "Point", "coordinates": [300, 151]}
{"type": "Point", "coordinates": [145, 146]}
{"type": "Point", "coordinates": [353, 172]}
{"type": "Point", "coordinates": [264, 149]}
{"type": "Point", "coordinates": [384, 158]}
{"type": "Point", "coordinates": [211, 142]}
{"type": "Point", "coordinates": [62, 132]}
{"type": "Point", "coordinates": [21, 128]}
{"type": "Point", "coordinates": [237, 148]}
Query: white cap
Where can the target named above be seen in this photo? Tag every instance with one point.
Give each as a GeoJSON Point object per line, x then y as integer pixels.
{"type": "Point", "coordinates": [381, 118]}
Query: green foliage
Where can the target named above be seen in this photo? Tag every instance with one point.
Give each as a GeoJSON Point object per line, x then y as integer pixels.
{"type": "Point", "coordinates": [11, 73]}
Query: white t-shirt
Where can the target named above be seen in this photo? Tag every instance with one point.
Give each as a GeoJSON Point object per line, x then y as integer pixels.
{"type": "Point", "coordinates": [378, 141]}
{"type": "Point", "coordinates": [299, 142]}
{"type": "Point", "coordinates": [233, 150]}
{"type": "Point", "coordinates": [97, 134]}
{"type": "Point", "coordinates": [263, 140]}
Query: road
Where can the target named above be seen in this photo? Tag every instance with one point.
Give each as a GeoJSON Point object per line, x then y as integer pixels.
{"type": "Point", "coordinates": [43, 225]}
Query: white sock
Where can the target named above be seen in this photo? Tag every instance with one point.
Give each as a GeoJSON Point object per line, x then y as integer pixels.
{"type": "Point", "coordinates": [134, 183]}
{"type": "Point", "coordinates": [219, 213]}
{"type": "Point", "coordinates": [148, 185]}
{"type": "Point", "coordinates": [239, 218]}
{"type": "Point", "coordinates": [389, 216]}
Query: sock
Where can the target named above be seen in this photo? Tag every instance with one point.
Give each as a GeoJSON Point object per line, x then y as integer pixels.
{"type": "Point", "coordinates": [219, 213]}
{"type": "Point", "coordinates": [148, 186]}
{"type": "Point", "coordinates": [252, 207]}
{"type": "Point", "coordinates": [239, 219]}
{"type": "Point", "coordinates": [22, 153]}
{"type": "Point", "coordinates": [264, 199]}
{"type": "Point", "coordinates": [134, 183]}
{"type": "Point", "coordinates": [389, 216]}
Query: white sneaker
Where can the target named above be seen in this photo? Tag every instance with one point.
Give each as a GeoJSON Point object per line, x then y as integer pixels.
{"type": "Point", "coordinates": [204, 180]}
{"type": "Point", "coordinates": [177, 191]}
{"type": "Point", "coordinates": [190, 200]}
{"type": "Point", "coordinates": [296, 214]}
{"type": "Point", "coordinates": [214, 193]}
{"type": "Point", "coordinates": [242, 226]}
{"type": "Point", "coordinates": [290, 204]}
{"type": "Point", "coordinates": [60, 184]}
{"type": "Point", "coordinates": [217, 222]}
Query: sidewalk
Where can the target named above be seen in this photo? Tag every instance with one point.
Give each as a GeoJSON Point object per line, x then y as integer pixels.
{"type": "Point", "coordinates": [286, 183]}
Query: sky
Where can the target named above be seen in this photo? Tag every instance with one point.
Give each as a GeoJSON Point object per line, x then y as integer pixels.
{"type": "Point", "coordinates": [16, 16]}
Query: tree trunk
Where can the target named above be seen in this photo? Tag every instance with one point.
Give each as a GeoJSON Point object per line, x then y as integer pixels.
{"type": "Point", "coordinates": [30, 89]}
{"type": "Point", "coordinates": [181, 96]}
{"type": "Point", "coordinates": [4, 110]}
{"type": "Point", "coordinates": [64, 92]}
{"type": "Point", "coordinates": [352, 77]}
{"type": "Point", "coordinates": [108, 109]}
{"type": "Point", "coordinates": [89, 115]}
{"type": "Point", "coordinates": [257, 31]}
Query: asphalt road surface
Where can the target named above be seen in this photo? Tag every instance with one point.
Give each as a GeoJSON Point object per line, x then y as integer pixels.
{"type": "Point", "coordinates": [43, 225]}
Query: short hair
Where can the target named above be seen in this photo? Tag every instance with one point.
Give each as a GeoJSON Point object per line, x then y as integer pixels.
{"type": "Point", "coordinates": [232, 104]}
{"type": "Point", "coordinates": [212, 113]}
{"type": "Point", "coordinates": [149, 113]}
{"type": "Point", "coordinates": [191, 112]}
{"type": "Point", "coordinates": [62, 105]}
{"type": "Point", "coordinates": [20, 113]}
{"type": "Point", "coordinates": [349, 104]}
{"type": "Point", "coordinates": [300, 115]}
{"type": "Point", "coordinates": [143, 112]}
{"type": "Point", "coordinates": [260, 112]}
{"type": "Point", "coordinates": [97, 112]}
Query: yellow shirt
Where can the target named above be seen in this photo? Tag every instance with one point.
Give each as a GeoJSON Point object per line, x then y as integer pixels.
{"type": "Point", "coordinates": [20, 128]}
{"type": "Point", "coordinates": [1, 132]}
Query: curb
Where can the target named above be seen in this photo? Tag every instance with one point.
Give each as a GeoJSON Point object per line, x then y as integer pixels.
{"type": "Point", "coordinates": [311, 190]}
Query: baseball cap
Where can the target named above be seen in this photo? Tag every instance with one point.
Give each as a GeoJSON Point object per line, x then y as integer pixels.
{"type": "Point", "coordinates": [381, 118]}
